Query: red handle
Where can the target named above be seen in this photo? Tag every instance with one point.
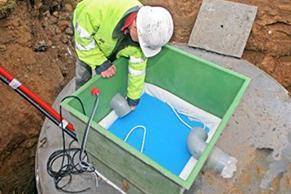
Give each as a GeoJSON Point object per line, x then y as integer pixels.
{"type": "Point", "coordinates": [95, 91]}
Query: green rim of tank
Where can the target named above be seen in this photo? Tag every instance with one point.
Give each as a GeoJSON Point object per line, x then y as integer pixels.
{"type": "Point", "coordinates": [223, 90]}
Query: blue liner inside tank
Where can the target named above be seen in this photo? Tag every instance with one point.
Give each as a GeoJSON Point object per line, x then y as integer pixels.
{"type": "Point", "coordinates": [166, 135]}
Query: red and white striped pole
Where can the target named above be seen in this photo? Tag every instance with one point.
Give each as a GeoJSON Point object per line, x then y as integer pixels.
{"type": "Point", "coordinates": [37, 102]}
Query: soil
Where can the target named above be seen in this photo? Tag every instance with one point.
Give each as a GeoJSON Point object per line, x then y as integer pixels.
{"type": "Point", "coordinates": [6, 6]}
{"type": "Point", "coordinates": [269, 44]}
{"type": "Point", "coordinates": [23, 33]}
{"type": "Point", "coordinates": [35, 46]}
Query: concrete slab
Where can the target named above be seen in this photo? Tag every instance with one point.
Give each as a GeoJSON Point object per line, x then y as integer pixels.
{"type": "Point", "coordinates": [265, 100]}
{"type": "Point", "coordinates": [223, 27]}
{"type": "Point", "coordinates": [261, 120]}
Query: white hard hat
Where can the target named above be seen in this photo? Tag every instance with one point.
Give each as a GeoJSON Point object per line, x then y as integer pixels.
{"type": "Point", "coordinates": [154, 28]}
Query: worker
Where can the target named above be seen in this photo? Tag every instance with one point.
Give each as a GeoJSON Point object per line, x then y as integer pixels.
{"type": "Point", "coordinates": [106, 30]}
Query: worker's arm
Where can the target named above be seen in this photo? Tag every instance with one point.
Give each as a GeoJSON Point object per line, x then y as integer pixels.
{"type": "Point", "coordinates": [86, 46]}
{"type": "Point", "coordinates": [136, 73]}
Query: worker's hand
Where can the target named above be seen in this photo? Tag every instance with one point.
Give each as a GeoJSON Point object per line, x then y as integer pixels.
{"type": "Point", "coordinates": [132, 103]}
{"type": "Point", "coordinates": [109, 72]}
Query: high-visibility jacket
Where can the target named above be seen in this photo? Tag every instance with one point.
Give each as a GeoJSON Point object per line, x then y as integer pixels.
{"type": "Point", "coordinates": [97, 34]}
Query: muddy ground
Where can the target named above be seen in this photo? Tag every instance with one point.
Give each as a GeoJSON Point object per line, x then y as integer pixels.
{"type": "Point", "coordinates": [269, 44]}
{"type": "Point", "coordinates": [35, 46]}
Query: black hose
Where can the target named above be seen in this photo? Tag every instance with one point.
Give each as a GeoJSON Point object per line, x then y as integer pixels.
{"type": "Point", "coordinates": [70, 165]}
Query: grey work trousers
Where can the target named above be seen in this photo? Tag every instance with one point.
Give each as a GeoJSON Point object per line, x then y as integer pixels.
{"type": "Point", "coordinates": [83, 73]}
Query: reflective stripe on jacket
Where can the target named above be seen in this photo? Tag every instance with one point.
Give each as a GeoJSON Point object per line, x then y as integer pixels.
{"type": "Point", "coordinates": [136, 71]}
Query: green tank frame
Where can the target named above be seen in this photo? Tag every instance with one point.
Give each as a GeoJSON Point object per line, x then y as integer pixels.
{"type": "Point", "coordinates": [197, 81]}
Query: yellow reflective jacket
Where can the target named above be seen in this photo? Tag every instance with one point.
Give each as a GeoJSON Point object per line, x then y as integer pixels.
{"type": "Point", "coordinates": [96, 23]}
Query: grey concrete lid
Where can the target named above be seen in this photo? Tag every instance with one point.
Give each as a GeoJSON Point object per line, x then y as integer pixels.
{"type": "Point", "coordinates": [223, 27]}
{"type": "Point", "coordinates": [262, 120]}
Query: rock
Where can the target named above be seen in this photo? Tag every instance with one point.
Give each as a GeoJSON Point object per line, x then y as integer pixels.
{"type": "Point", "coordinates": [68, 7]}
{"type": "Point", "coordinates": [53, 20]}
{"type": "Point", "coordinates": [2, 48]}
{"type": "Point", "coordinates": [40, 46]}
{"type": "Point", "coordinates": [11, 27]}
{"type": "Point", "coordinates": [55, 5]}
{"type": "Point", "coordinates": [268, 64]}
{"type": "Point", "coordinates": [69, 31]}
{"type": "Point", "coordinates": [58, 31]}
{"type": "Point", "coordinates": [46, 14]}
{"type": "Point", "coordinates": [49, 43]}
{"type": "Point", "coordinates": [56, 14]}
{"type": "Point", "coordinates": [63, 24]}
{"type": "Point", "coordinates": [64, 70]}
{"type": "Point", "coordinates": [15, 23]}
{"type": "Point", "coordinates": [50, 34]}
{"type": "Point", "coordinates": [44, 23]}
{"type": "Point", "coordinates": [65, 16]}
{"type": "Point", "coordinates": [64, 39]}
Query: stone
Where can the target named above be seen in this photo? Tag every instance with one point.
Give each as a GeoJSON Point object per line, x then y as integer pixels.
{"type": "Point", "coordinates": [46, 13]}
{"type": "Point", "coordinates": [63, 24]}
{"type": "Point", "coordinates": [64, 39]}
{"type": "Point", "coordinates": [58, 31]}
{"type": "Point", "coordinates": [56, 14]}
{"type": "Point", "coordinates": [223, 27]}
{"type": "Point", "coordinates": [65, 16]}
{"type": "Point", "coordinates": [69, 31]}
{"type": "Point", "coordinates": [268, 64]}
{"type": "Point", "coordinates": [53, 20]}
{"type": "Point", "coordinates": [68, 7]}
{"type": "Point", "coordinates": [15, 23]}
{"type": "Point", "coordinates": [41, 46]}
{"type": "Point", "coordinates": [49, 43]}
{"type": "Point", "coordinates": [2, 48]}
